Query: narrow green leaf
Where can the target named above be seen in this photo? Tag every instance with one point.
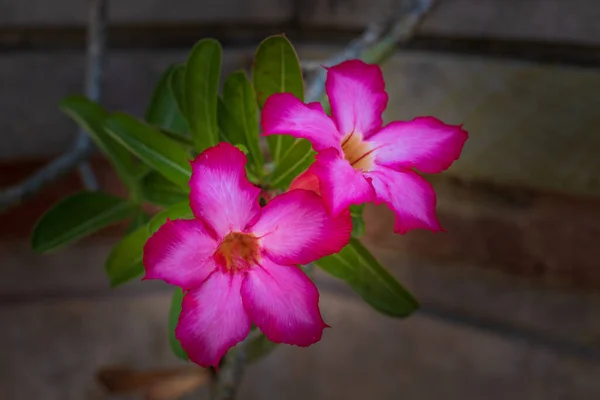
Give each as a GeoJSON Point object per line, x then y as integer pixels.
{"type": "Point", "coordinates": [297, 159]}
{"type": "Point", "coordinates": [163, 110]}
{"type": "Point", "coordinates": [229, 128]}
{"type": "Point", "coordinates": [125, 259]}
{"type": "Point", "coordinates": [153, 148]}
{"type": "Point", "coordinates": [176, 84]}
{"type": "Point", "coordinates": [160, 191]}
{"type": "Point", "coordinates": [176, 211]}
{"type": "Point", "coordinates": [90, 116]}
{"type": "Point", "coordinates": [239, 99]}
{"type": "Point", "coordinates": [77, 216]}
{"type": "Point", "coordinates": [243, 148]}
{"type": "Point", "coordinates": [178, 137]}
{"type": "Point", "coordinates": [277, 69]}
{"type": "Point", "coordinates": [230, 131]}
{"type": "Point", "coordinates": [358, 223]}
{"type": "Point", "coordinates": [139, 218]}
{"type": "Point", "coordinates": [355, 265]}
{"type": "Point", "coordinates": [325, 104]}
{"type": "Point", "coordinates": [173, 319]}
{"type": "Point", "coordinates": [201, 88]}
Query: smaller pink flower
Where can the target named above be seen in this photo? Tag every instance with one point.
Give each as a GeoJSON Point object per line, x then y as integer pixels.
{"type": "Point", "coordinates": [358, 159]}
{"type": "Point", "coordinates": [307, 181]}
{"type": "Point", "coordinates": [237, 261]}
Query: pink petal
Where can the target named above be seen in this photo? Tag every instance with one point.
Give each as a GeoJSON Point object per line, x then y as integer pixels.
{"type": "Point", "coordinates": [213, 319]}
{"type": "Point", "coordinates": [295, 228]}
{"type": "Point", "coordinates": [425, 143]}
{"type": "Point", "coordinates": [307, 181]}
{"type": "Point", "coordinates": [340, 184]}
{"type": "Point", "coordinates": [356, 92]}
{"type": "Point", "coordinates": [180, 253]}
{"type": "Point", "coordinates": [410, 197]}
{"type": "Point", "coordinates": [284, 303]}
{"type": "Point", "coordinates": [221, 195]}
{"type": "Point", "coordinates": [283, 113]}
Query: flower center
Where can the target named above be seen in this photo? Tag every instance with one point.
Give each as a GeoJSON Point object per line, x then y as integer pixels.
{"type": "Point", "coordinates": [238, 251]}
{"type": "Point", "coordinates": [358, 152]}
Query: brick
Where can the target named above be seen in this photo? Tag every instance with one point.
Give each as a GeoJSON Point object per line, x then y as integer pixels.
{"type": "Point", "coordinates": [546, 237]}
{"type": "Point", "coordinates": [74, 12]}
{"type": "Point", "coordinates": [544, 20]}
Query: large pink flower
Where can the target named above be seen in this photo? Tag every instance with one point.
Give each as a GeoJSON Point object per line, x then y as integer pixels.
{"type": "Point", "coordinates": [358, 160]}
{"type": "Point", "coordinates": [238, 262]}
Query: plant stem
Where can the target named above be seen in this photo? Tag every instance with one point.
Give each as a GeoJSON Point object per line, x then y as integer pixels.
{"type": "Point", "coordinates": [227, 379]}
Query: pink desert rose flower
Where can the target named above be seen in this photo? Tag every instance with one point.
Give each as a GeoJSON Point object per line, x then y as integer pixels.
{"type": "Point", "coordinates": [237, 262]}
{"type": "Point", "coordinates": [358, 159]}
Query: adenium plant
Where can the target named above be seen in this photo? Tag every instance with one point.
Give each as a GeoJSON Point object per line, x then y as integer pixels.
{"type": "Point", "coordinates": [231, 225]}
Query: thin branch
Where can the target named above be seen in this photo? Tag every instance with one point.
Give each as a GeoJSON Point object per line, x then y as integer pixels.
{"type": "Point", "coordinates": [87, 176]}
{"type": "Point", "coordinates": [316, 88]}
{"type": "Point", "coordinates": [310, 65]}
{"type": "Point", "coordinates": [96, 48]}
{"type": "Point", "coordinates": [377, 42]}
{"type": "Point", "coordinates": [96, 39]}
{"type": "Point", "coordinates": [82, 147]}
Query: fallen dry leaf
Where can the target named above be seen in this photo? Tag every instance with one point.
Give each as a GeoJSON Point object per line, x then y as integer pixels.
{"type": "Point", "coordinates": [158, 384]}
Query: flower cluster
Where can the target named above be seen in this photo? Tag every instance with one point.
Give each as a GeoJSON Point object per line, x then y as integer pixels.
{"type": "Point", "coordinates": [238, 262]}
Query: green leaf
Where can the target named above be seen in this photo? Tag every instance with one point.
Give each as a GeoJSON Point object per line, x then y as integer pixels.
{"type": "Point", "coordinates": [154, 149]}
{"type": "Point", "coordinates": [173, 319]}
{"type": "Point", "coordinates": [77, 216]}
{"type": "Point", "coordinates": [296, 160]}
{"type": "Point", "coordinates": [238, 98]}
{"type": "Point", "coordinates": [325, 104]}
{"type": "Point", "coordinates": [163, 110]}
{"type": "Point", "coordinates": [242, 148]}
{"type": "Point", "coordinates": [355, 265]}
{"type": "Point", "coordinates": [229, 127]}
{"type": "Point", "coordinates": [90, 116]}
{"type": "Point", "coordinates": [125, 260]}
{"type": "Point", "coordinates": [176, 211]}
{"type": "Point", "coordinates": [201, 91]}
{"type": "Point", "coordinates": [160, 191]}
{"type": "Point", "coordinates": [176, 83]}
{"type": "Point", "coordinates": [178, 137]}
{"type": "Point", "coordinates": [140, 218]}
{"type": "Point", "coordinates": [259, 347]}
{"type": "Point", "coordinates": [276, 69]}
{"type": "Point", "coordinates": [358, 223]}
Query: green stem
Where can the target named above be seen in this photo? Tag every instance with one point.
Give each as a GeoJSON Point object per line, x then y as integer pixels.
{"type": "Point", "coordinates": [229, 375]}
